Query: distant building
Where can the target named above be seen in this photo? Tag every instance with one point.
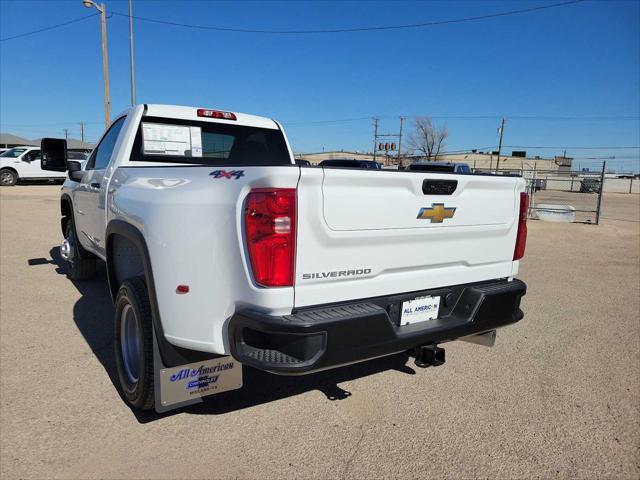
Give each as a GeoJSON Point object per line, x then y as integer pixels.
{"type": "Point", "coordinates": [316, 158]}
{"type": "Point", "coordinates": [8, 140]}
{"type": "Point", "coordinates": [74, 145]}
{"type": "Point", "coordinates": [476, 160]}
{"type": "Point", "coordinates": [512, 163]}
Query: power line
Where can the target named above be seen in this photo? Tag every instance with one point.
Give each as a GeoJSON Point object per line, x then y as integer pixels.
{"type": "Point", "coordinates": [467, 117]}
{"type": "Point", "coordinates": [367, 119]}
{"type": "Point", "coordinates": [329, 122]}
{"type": "Point", "coordinates": [355, 29]}
{"type": "Point", "coordinates": [288, 32]}
{"type": "Point", "coordinates": [533, 117]}
{"type": "Point", "coordinates": [339, 121]}
{"type": "Point", "coordinates": [45, 29]}
{"type": "Point", "coordinates": [536, 117]}
{"type": "Point", "coordinates": [612, 157]}
{"type": "Point", "coordinates": [25, 125]}
{"type": "Point", "coordinates": [573, 148]}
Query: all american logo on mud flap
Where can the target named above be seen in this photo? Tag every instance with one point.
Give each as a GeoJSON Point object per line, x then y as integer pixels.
{"type": "Point", "coordinates": [204, 376]}
{"type": "Point", "coordinates": [199, 379]}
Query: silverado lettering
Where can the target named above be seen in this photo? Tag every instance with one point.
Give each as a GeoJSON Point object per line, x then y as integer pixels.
{"type": "Point", "coordinates": [338, 273]}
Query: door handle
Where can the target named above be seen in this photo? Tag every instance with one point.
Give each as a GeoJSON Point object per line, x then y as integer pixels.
{"type": "Point", "coordinates": [439, 187]}
{"type": "Point", "coordinates": [95, 184]}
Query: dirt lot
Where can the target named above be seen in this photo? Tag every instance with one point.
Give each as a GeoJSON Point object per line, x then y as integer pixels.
{"type": "Point", "coordinates": [558, 396]}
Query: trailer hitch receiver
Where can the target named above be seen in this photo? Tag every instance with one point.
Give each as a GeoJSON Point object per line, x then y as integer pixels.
{"type": "Point", "coordinates": [428, 356]}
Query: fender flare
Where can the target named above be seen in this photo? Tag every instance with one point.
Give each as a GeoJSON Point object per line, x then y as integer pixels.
{"type": "Point", "coordinates": [65, 216]}
{"type": "Point", "coordinates": [69, 216]}
{"type": "Point", "coordinates": [171, 354]}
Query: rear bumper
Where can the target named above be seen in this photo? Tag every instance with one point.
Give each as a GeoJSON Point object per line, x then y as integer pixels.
{"type": "Point", "coordinates": [328, 336]}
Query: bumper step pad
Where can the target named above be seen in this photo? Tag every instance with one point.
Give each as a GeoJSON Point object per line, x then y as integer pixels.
{"type": "Point", "coordinates": [328, 336]}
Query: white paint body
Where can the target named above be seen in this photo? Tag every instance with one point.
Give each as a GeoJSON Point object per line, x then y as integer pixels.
{"type": "Point", "coordinates": [346, 219]}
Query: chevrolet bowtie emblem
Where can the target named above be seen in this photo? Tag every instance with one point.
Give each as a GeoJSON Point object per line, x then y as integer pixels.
{"type": "Point", "coordinates": [437, 213]}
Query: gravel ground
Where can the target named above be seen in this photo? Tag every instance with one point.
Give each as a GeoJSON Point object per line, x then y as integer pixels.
{"type": "Point", "coordinates": [558, 396]}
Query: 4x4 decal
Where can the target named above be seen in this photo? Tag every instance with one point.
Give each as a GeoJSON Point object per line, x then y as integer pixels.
{"type": "Point", "coordinates": [230, 174]}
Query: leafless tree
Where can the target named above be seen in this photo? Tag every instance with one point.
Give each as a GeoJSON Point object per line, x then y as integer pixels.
{"type": "Point", "coordinates": [427, 139]}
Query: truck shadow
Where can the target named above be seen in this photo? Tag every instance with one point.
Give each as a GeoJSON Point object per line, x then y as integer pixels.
{"type": "Point", "coordinates": [93, 315]}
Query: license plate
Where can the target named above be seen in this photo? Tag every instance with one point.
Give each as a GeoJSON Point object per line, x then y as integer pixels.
{"type": "Point", "coordinates": [420, 309]}
{"type": "Point", "coordinates": [194, 380]}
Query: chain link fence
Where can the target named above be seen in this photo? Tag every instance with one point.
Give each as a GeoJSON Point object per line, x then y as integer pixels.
{"type": "Point", "coordinates": [563, 195]}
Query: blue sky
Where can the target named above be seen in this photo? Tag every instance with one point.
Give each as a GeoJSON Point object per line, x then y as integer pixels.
{"type": "Point", "coordinates": [574, 61]}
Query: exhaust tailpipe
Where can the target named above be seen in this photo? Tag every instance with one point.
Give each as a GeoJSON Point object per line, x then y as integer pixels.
{"type": "Point", "coordinates": [487, 339]}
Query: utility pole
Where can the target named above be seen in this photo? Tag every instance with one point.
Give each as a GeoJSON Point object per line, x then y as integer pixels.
{"type": "Point", "coordinates": [400, 145]}
{"type": "Point", "coordinates": [66, 134]}
{"type": "Point", "coordinates": [105, 60]}
{"type": "Point", "coordinates": [500, 144]}
{"type": "Point", "coordinates": [375, 137]}
{"type": "Point", "coordinates": [133, 75]}
{"type": "Point", "coordinates": [82, 131]}
{"type": "Point", "coordinates": [383, 146]}
{"type": "Point", "coordinates": [105, 66]}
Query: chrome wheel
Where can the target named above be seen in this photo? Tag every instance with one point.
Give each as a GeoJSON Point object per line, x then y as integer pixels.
{"type": "Point", "coordinates": [130, 343]}
{"type": "Point", "coordinates": [6, 178]}
{"type": "Point", "coordinates": [66, 249]}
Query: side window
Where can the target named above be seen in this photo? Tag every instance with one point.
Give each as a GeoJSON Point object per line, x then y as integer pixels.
{"type": "Point", "coordinates": [102, 153]}
{"type": "Point", "coordinates": [31, 156]}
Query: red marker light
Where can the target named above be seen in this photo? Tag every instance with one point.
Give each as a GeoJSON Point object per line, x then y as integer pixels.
{"type": "Point", "coordinates": [182, 289]}
{"type": "Point", "coordinates": [203, 112]}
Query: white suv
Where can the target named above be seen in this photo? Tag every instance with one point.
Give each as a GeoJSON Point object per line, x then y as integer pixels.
{"type": "Point", "coordinates": [23, 163]}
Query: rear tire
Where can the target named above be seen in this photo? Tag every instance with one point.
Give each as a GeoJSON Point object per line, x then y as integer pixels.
{"type": "Point", "coordinates": [133, 343]}
{"type": "Point", "coordinates": [81, 265]}
{"type": "Point", "coordinates": [8, 178]}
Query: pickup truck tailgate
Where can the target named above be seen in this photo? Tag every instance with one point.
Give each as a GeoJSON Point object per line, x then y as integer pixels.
{"type": "Point", "coordinates": [363, 234]}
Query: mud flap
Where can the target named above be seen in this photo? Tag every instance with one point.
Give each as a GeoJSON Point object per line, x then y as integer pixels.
{"type": "Point", "coordinates": [177, 387]}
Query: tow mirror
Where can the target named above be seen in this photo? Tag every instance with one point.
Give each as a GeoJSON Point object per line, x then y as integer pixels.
{"type": "Point", "coordinates": [54, 154]}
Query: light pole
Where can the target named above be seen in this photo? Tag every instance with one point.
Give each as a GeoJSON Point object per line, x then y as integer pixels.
{"type": "Point", "coordinates": [133, 77]}
{"type": "Point", "coordinates": [105, 59]}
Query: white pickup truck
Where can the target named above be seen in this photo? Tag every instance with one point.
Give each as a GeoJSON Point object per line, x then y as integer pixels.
{"type": "Point", "coordinates": [222, 252]}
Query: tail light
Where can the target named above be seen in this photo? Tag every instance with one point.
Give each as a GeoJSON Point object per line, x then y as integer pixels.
{"type": "Point", "coordinates": [521, 239]}
{"type": "Point", "coordinates": [270, 227]}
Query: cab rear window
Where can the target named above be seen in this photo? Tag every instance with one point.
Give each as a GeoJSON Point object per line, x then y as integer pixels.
{"type": "Point", "coordinates": [207, 143]}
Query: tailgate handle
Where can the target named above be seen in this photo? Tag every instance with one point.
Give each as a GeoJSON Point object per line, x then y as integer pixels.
{"type": "Point", "coordinates": [439, 187]}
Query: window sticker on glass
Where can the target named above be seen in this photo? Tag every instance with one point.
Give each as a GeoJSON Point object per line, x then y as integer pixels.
{"type": "Point", "coordinates": [177, 140]}
{"type": "Point", "coordinates": [196, 141]}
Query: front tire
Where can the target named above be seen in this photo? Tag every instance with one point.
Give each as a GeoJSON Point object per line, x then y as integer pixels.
{"type": "Point", "coordinates": [81, 265]}
{"type": "Point", "coordinates": [8, 178]}
{"type": "Point", "coordinates": [133, 343]}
